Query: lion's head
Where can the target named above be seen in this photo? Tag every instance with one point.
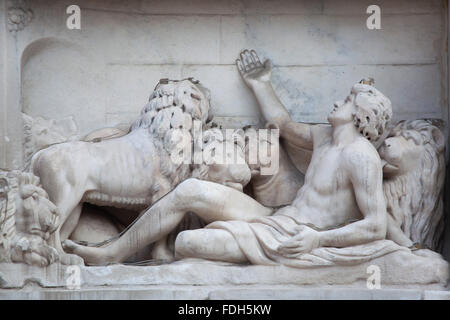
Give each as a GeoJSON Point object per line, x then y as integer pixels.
{"type": "Point", "coordinates": [176, 115]}
{"type": "Point", "coordinates": [223, 159]}
{"type": "Point", "coordinates": [414, 172]}
{"type": "Point", "coordinates": [27, 218]}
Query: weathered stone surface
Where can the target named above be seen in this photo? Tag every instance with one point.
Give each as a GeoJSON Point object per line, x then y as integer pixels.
{"type": "Point", "coordinates": [308, 41]}
{"type": "Point", "coordinates": [206, 280]}
{"type": "Point", "coordinates": [396, 271]}
{"type": "Point", "coordinates": [258, 292]}
{"type": "Point", "coordinates": [318, 49]}
{"type": "Point", "coordinates": [436, 295]}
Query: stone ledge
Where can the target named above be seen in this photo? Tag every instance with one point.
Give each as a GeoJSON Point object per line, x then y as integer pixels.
{"type": "Point", "coordinates": [190, 292]}
{"type": "Point", "coordinates": [396, 272]}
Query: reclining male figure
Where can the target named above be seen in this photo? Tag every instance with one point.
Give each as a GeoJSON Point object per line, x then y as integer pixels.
{"type": "Point", "coordinates": [340, 204]}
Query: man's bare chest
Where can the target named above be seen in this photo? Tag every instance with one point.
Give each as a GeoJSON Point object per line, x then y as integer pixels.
{"type": "Point", "coordinates": [326, 171]}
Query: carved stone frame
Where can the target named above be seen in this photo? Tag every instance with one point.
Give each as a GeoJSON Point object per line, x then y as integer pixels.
{"type": "Point", "coordinates": [10, 92]}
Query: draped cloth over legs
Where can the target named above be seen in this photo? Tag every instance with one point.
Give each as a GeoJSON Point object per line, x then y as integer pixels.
{"type": "Point", "coordinates": [259, 241]}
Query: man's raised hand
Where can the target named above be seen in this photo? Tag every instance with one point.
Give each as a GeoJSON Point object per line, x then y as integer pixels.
{"type": "Point", "coordinates": [251, 68]}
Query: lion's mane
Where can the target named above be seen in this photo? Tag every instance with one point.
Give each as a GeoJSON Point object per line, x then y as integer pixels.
{"type": "Point", "coordinates": [415, 200]}
{"type": "Point", "coordinates": [168, 126]}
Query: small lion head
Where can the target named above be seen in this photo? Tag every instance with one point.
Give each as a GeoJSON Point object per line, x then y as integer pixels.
{"type": "Point", "coordinates": [35, 213]}
{"type": "Point", "coordinates": [223, 159]}
{"type": "Point", "coordinates": [405, 145]}
{"type": "Point", "coordinates": [27, 219]}
{"type": "Point", "coordinates": [414, 171]}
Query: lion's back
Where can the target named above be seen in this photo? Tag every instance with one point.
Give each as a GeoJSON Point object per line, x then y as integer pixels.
{"type": "Point", "coordinates": [61, 163]}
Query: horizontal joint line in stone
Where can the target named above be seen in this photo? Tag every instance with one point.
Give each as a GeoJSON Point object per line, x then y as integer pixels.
{"type": "Point", "coordinates": [118, 63]}
{"type": "Point", "coordinates": [244, 14]}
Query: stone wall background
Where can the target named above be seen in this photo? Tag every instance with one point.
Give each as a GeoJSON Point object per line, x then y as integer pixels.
{"type": "Point", "coordinates": [103, 73]}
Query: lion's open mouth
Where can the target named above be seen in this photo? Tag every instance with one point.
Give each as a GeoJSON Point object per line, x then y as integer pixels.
{"type": "Point", "coordinates": [388, 169]}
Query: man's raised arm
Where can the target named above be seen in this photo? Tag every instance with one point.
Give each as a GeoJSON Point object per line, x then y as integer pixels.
{"type": "Point", "coordinates": [257, 77]}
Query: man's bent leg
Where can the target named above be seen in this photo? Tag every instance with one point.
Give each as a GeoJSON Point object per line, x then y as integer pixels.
{"type": "Point", "coordinates": [210, 201]}
{"type": "Point", "coordinates": [218, 245]}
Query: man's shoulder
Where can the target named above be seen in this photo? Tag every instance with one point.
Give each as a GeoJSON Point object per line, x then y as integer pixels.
{"type": "Point", "coordinates": [361, 152]}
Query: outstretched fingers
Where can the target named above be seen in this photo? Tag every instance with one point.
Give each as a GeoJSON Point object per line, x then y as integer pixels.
{"type": "Point", "coordinates": [248, 61]}
{"type": "Point", "coordinates": [244, 59]}
{"type": "Point", "coordinates": [255, 58]}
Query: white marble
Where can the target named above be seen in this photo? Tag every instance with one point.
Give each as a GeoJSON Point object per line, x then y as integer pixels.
{"type": "Point", "coordinates": [183, 292]}
{"type": "Point", "coordinates": [411, 274]}
{"type": "Point", "coordinates": [367, 195]}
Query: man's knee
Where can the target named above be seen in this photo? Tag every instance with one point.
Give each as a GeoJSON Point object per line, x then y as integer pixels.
{"type": "Point", "coordinates": [190, 190]}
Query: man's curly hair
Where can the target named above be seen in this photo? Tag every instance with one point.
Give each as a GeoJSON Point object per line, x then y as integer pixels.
{"type": "Point", "coordinates": [373, 111]}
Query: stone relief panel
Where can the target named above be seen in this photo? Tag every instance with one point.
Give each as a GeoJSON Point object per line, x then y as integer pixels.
{"type": "Point", "coordinates": [355, 205]}
{"type": "Point", "coordinates": [100, 185]}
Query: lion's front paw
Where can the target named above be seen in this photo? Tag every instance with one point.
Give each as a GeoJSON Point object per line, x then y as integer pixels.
{"type": "Point", "coordinates": [33, 252]}
{"type": "Point", "coordinates": [71, 259]}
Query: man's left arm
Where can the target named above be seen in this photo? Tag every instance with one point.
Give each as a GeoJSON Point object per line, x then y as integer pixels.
{"type": "Point", "coordinates": [367, 180]}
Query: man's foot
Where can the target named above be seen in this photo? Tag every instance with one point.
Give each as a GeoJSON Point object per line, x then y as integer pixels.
{"type": "Point", "coordinates": [91, 255]}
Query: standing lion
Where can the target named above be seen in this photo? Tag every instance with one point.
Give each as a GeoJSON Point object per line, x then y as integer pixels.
{"type": "Point", "coordinates": [132, 171]}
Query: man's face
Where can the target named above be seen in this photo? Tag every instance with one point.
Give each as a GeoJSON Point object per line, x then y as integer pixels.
{"type": "Point", "coordinates": [342, 111]}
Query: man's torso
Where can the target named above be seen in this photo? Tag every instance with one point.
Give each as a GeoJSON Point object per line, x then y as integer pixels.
{"type": "Point", "coordinates": [327, 198]}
